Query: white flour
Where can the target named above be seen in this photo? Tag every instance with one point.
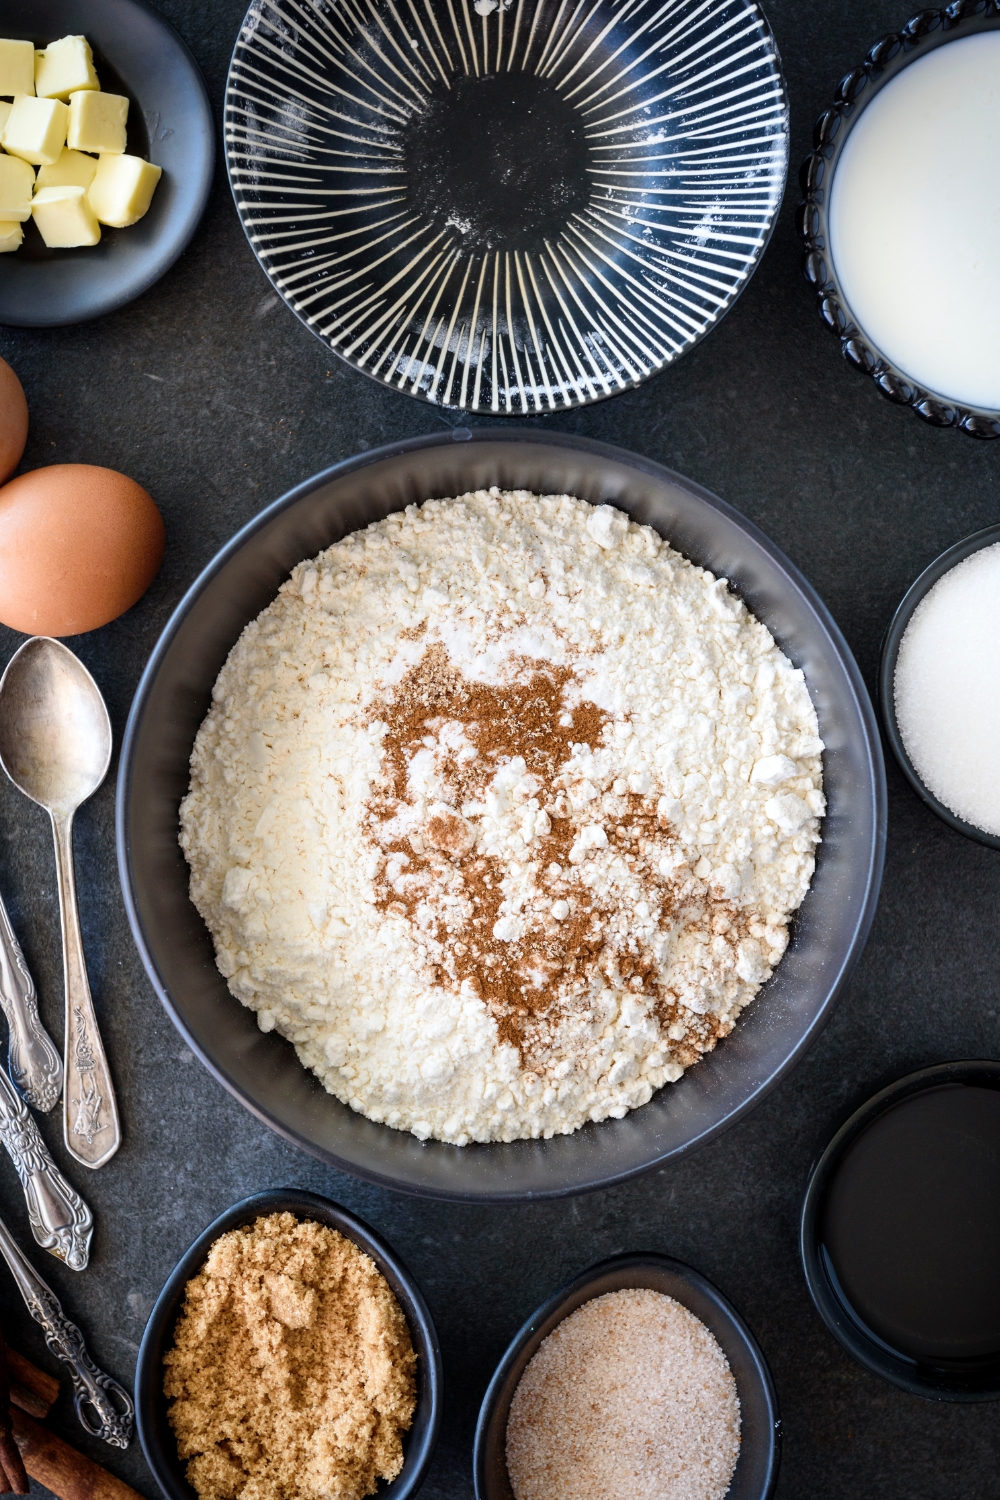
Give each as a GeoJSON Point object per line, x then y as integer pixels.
{"type": "Point", "coordinates": [499, 814]}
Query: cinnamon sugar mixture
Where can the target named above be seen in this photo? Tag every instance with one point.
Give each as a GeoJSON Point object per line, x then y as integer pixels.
{"type": "Point", "coordinates": [292, 1375]}
{"type": "Point", "coordinates": [499, 815]}
{"type": "Point", "coordinates": [629, 1398]}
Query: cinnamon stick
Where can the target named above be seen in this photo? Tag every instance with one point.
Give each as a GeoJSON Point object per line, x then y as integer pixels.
{"type": "Point", "coordinates": [14, 1477]}
{"type": "Point", "coordinates": [31, 1389]}
{"type": "Point", "coordinates": [64, 1471]}
{"type": "Point", "coordinates": [28, 1401]}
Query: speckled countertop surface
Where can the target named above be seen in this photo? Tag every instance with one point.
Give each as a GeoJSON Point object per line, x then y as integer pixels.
{"type": "Point", "coordinates": [210, 393]}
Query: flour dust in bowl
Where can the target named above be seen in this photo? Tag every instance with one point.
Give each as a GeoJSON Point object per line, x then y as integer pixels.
{"type": "Point", "coordinates": [507, 206]}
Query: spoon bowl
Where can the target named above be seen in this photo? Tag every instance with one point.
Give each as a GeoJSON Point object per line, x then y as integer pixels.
{"type": "Point", "coordinates": [55, 745]}
{"type": "Point", "coordinates": [55, 734]}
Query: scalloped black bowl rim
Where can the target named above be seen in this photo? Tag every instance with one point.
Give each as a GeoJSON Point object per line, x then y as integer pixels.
{"type": "Point", "coordinates": [629, 385]}
{"type": "Point", "coordinates": [174, 239]}
{"type": "Point", "coordinates": [870, 742]}
{"type": "Point", "coordinates": [924, 32]}
{"type": "Point", "coordinates": [157, 1440]}
{"type": "Point", "coordinates": [917, 591]}
{"type": "Point", "coordinates": [687, 1286]}
{"type": "Point", "coordinates": [833, 1307]}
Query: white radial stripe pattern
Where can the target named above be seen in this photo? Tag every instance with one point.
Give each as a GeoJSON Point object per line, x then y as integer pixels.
{"type": "Point", "coordinates": [507, 206]}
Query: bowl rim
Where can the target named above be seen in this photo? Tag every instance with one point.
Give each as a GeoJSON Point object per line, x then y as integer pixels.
{"type": "Point", "coordinates": [833, 1308]}
{"type": "Point", "coordinates": [161, 255]}
{"type": "Point", "coordinates": [584, 446]}
{"type": "Point", "coordinates": [305, 1204]}
{"type": "Point", "coordinates": [988, 536]}
{"type": "Point", "coordinates": [884, 60]}
{"type": "Point", "coordinates": [551, 1313]}
{"type": "Point", "coordinates": [480, 412]}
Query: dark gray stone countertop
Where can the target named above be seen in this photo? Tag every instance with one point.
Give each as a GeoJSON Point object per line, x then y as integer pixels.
{"type": "Point", "coordinates": [211, 394]}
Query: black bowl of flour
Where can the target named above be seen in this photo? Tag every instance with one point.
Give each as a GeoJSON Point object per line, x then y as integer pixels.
{"type": "Point", "coordinates": [262, 1070]}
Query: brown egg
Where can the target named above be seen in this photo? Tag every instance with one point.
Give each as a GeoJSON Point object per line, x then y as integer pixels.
{"type": "Point", "coordinates": [13, 421]}
{"type": "Point", "coordinates": [78, 546]}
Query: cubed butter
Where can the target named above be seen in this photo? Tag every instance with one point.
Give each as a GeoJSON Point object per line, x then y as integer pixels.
{"type": "Point", "coordinates": [6, 105]}
{"type": "Point", "coordinates": [17, 181]}
{"type": "Point", "coordinates": [36, 130]}
{"type": "Point", "coordinates": [122, 189]}
{"type": "Point", "coordinates": [17, 67]}
{"type": "Point", "coordinates": [11, 236]}
{"type": "Point", "coordinates": [65, 218]}
{"type": "Point", "coordinates": [73, 169]}
{"type": "Point", "coordinates": [64, 67]}
{"type": "Point", "coordinates": [97, 122]}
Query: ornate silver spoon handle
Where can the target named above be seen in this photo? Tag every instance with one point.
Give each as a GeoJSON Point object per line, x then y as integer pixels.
{"type": "Point", "coordinates": [60, 1220]}
{"type": "Point", "coordinates": [90, 1112]}
{"type": "Point", "coordinates": [35, 1065]}
{"type": "Point", "coordinates": [102, 1416]}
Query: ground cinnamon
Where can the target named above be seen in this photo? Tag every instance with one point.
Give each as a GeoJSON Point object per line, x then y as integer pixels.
{"type": "Point", "coordinates": [452, 894]}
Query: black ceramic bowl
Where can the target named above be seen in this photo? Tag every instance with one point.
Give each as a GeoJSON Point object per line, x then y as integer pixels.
{"type": "Point", "coordinates": [756, 1470]}
{"type": "Point", "coordinates": [169, 122]}
{"type": "Point", "coordinates": [887, 673]}
{"type": "Point", "coordinates": [174, 694]}
{"type": "Point", "coordinates": [882, 63]}
{"type": "Point", "coordinates": [155, 1435]}
{"type": "Point", "coordinates": [507, 208]}
{"type": "Point", "coordinates": [937, 1381]}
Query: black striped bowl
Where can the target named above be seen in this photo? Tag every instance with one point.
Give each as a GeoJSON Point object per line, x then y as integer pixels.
{"type": "Point", "coordinates": [507, 206]}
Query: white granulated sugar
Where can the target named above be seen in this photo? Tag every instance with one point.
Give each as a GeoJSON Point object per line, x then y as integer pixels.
{"type": "Point", "coordinates": [947, 689]}
{"type": "Point", "coordinates": [499, 814]}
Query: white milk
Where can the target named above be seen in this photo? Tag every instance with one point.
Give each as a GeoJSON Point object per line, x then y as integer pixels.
{"type": "Point", "coordinates": [915, 220]}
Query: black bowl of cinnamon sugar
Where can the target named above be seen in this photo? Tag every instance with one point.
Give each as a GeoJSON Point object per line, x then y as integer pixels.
{"type": "Point", "coordinates": [640, 1368]}
{"type": "Point", "coordinates": [290, 1352]}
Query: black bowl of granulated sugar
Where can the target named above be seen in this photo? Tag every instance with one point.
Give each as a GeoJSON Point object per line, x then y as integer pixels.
{"type": "Point", "coordinates": [900, 1231]}
{"type": "Point", "coordinates": [596, 1391]}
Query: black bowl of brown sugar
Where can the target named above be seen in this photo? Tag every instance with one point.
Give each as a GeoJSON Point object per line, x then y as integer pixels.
{"type": "Point", "coordinates": [900, 1229]}
{"type": "Point", "coordinates": [639, 1365]}
{"type": "Point", "coordinates": [308, 1420]}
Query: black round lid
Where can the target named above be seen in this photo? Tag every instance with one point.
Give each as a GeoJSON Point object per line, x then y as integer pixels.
{"type": "Point", "coordinates": [901, 1232]}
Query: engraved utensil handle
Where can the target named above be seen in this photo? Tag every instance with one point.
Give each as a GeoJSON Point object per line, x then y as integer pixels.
{"type": "Point", "coordinates": [60, 1220]}
{"type": "Point", "coordinates": [105, 1410]}
{"type": "Point", "coordinates": [35, 1065]}
{"type": "Point", "coordinates": [90, 1113]}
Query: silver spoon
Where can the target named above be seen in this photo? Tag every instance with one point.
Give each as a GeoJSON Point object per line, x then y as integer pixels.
{"type": "Point", "coordinates": [55, 745]}
{"type": "Point", "coordinates": [32, 1060]}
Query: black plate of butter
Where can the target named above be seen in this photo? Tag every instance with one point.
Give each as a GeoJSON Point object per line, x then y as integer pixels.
{"type": "Point", "coordinates": [136, 53]}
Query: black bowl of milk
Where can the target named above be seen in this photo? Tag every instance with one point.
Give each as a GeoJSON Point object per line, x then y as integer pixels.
{"type": "Point", "coordinates": [901, 218]}
{"type": "Point", "coordinates": [900, 1228]}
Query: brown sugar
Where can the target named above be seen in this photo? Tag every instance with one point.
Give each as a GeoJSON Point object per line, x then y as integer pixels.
{"type": "Point", "coordinates": [292, 1373]}
{"type": "Point", "coordinates": [629, 1398]}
